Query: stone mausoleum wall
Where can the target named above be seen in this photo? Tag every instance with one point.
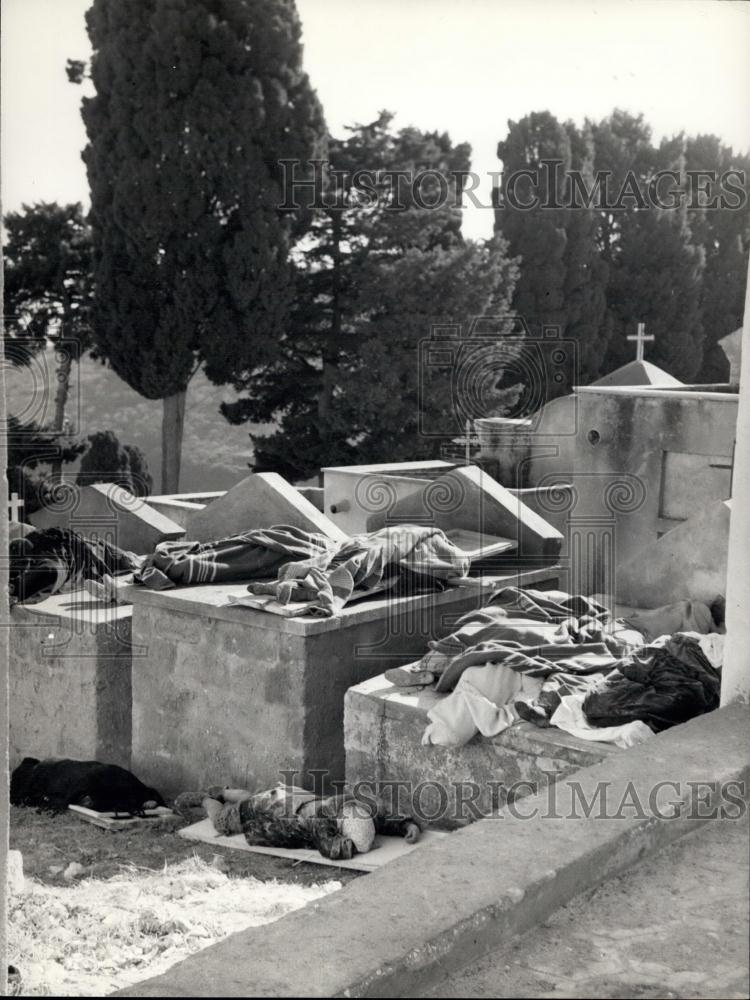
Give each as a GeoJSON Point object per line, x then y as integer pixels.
{"type": "Point", "coordinates": [639, 460]}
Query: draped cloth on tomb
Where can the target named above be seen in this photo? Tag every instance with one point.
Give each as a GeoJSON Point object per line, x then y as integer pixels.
{"type": "Point", "coordinates": [313, 573]}
{"type": "Point", "coordinates": [663, 684]}
{"type": "Point", "coordinates": [593, 679]}
{"type": "Point", "coordinates": [252, 555]}
{"type": "Point", "coordinates": [517, 658]}
{"type": "Point", "coordinates": [403, 560]}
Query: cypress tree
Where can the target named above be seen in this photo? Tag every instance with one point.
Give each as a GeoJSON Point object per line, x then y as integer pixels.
{"type": "Point", "coordinates": [723, 231]}
{"type": "Point", "coordinates": [655, 267]}
{"type": "Point", "coordinates": [196, 102]}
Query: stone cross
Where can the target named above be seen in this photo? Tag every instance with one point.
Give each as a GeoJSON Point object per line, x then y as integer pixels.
{"type": "Point", "coordinates": [14, 505]}
{"type": "Point", "coordinates": [640, 338]}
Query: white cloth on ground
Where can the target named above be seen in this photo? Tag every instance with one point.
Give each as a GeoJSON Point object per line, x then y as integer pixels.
{"type": "Point", "coordinates": [569, 717]}
{"type": "Point", "coordinates": [482, 701]}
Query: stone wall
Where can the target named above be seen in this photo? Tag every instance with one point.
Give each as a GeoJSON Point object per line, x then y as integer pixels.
{"type": "Point", "coordinates": [228, 694]}
{"type": "Point", "coordinates": [70, 680]}
{"type": "Point", "coordinates": [640, 461]}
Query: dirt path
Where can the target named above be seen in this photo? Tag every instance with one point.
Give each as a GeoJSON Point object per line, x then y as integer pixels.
{"type": "Point", "coordinates": [675, 926]}
{"type": "Point", "coordinates": [50, 843]}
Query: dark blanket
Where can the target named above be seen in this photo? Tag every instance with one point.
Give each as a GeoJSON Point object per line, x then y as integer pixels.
{"type": "Point", "coordinates": [54, 559]}
{"type": "Point", "coordinates": [55, 784]}
{"type": "Point", "coordinates": [662, 685]}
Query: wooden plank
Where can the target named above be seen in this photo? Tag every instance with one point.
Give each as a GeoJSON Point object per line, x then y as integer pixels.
{"type": "Point", "coordinates": [121, 821]}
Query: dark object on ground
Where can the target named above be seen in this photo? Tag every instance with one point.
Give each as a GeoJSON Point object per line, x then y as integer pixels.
{"type": "Point", "coordinates": [660, 685]}
{"type": "Point", "coordinates": [56, 784]}
{"type": "Point", "coordinates": [14, 981]}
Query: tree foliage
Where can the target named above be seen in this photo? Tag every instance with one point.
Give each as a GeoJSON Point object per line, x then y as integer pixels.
{"type": "Point", "coordinates": [376, 274]}
{"type": "Point", "coordinates": [655, 267]}
{"type": "Point", "coordinates": [47, 278]}
{"type": "Point", "coordinates": [724, 235]}
{"type": "Point", "coordinates": [48, 291]}
{"type": "Point", "coordinates": [562, 276]}
{"type": "Point", "coordinates": [107, 461]}
{"type": "Point", "coordinates": [196, 102]}
{"type": "Point", "coordinates": [32, 449]}
{"type": "Point", "coordinates": [597, 268]}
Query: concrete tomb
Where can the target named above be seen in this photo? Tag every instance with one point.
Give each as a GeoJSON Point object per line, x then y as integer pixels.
{"type": "Point", "coordinates": [261, 500]}
{"type": "Point", "coordinates": [383, 727]}
{"type": "Point", "coordinates": [469, 501]}
{"type": "Point", "coordinates": [636, 462]}
{"type": "Point", "coordinates": [70, 680]}
{"type": "Point", "coordinates": [107, 511]}
{"type": "Point", "coordinates": [353, 493]}
{"type": "Point", "coordinates": [226, 693]}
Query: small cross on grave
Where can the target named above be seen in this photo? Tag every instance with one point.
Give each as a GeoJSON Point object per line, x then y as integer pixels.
{"type": "Point", "coordinates": [14, 505]}
{"type": "Point", "coordinates": [640, 338]}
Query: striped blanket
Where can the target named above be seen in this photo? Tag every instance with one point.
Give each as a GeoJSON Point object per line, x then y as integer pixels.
{"type": "Point", "coordinates": [310, 572]}
{"type": "Point", "coordinates": [540, 646]}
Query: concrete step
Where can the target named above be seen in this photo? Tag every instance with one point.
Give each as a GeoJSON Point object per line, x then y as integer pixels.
{"type": "Point", "coordinates": [405, 928]}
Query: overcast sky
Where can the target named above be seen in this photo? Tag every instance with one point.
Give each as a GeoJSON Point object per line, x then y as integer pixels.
{"type": "Point", "coordinates": [464, 66]}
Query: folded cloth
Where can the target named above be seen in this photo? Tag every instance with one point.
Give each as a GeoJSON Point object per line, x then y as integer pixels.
{"type": "Point", "coordinates": [663, 684]}
{"type": "Point", "coordinates": [569, 716]}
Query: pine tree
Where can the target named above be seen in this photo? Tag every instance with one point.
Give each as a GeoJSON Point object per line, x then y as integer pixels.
{"type": "Point", "coordinates": [373, 280]}
{"type": "Point", "coordinates": [587, 322]}
{"type": "Point", "coordinates": [196, 103]}
{"type": "Point", "coordinates": [48, 291]}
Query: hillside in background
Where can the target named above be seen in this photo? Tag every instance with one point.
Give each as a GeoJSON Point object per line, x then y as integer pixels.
{"type": "Point", "coordinates": [215, 455]}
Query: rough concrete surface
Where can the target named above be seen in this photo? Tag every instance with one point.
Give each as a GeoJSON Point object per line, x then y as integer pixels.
{"type": "Point", "coordinates": [383, 727]}
{"type": "Point", "coordinates": [70, 680]}
{"type": "Point", "coordinates": [674, 926]}
{"type": "Point", "coordinates": [403, 929]}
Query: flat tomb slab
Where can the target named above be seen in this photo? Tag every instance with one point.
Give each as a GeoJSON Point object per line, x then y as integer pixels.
{"type": "Point", "coordinates": [226, 694]}
{"type": "Point", "coordinates": [383, 727]}
{"type": "Point", "coordinates": [110, 512]}
{"type": "Point", "coordinates": [70, 680]}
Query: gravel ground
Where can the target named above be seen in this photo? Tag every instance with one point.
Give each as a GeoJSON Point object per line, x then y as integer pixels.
{"type": "Point", "coordinates": [50, 843]}
{"type": "Point", "coordinates": [674, 926]}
